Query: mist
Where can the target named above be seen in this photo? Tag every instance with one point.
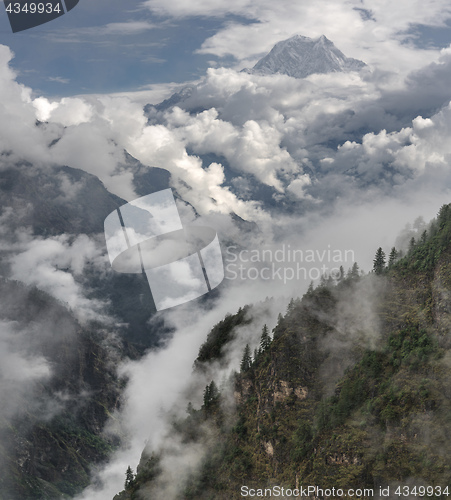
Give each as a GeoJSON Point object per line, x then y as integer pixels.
{"type": "Point", "coordinates": [344, 171]}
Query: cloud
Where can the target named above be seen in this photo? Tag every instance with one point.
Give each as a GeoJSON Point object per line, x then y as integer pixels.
{"type": "Point", "coordinates": [368, 37]}
{"type": "Point", "coordinates": [85, 35]}
{"type": "Point", "coordinates": [181, 8]}
{"type": "Point", "coordinates": [253, 148]}
{"type": "Point", "coordinates": [345, 169]}
{"type": "Point", "coordinates": [67, 112]}
{"type": "Point", "coordinates": [127, 28]}
{"type": "Point", "coordinates": [159, 384]}
{"type": "Point", "coordinates": [20, 369]}
{"type": "Point", "coordinates": [425, 90]}
{"type": "Point", "coordinates": [56, 266]}
{"type": "Point", "coordinates": [293, 136]}
{"type": "Point", "coordinates": [58, 79]}
{"type": "Point", "coordinates": [18, 118]}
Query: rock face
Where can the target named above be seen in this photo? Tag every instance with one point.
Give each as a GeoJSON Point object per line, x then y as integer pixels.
{"type": "Point", "coordinates": [300, 56]}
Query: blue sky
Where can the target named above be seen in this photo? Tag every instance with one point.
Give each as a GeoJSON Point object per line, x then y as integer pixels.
{"type": "Point", "coordinates": [108, 46]}
{"type": "Point", "coordinates": [105, 46]}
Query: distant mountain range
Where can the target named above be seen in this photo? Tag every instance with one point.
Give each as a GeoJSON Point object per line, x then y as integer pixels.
{"type": "Point", "coordinates": [300, 56]}
{"type": "Point", "coordinates": [297, 57]}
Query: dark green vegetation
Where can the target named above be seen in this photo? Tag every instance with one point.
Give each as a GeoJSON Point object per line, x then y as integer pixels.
{"type": "Point", "coordinates": [51, 427]}
{"type": "Point", "coordinates": [220, 335]}
{"type": "Point", "coordinates": [352, 391]}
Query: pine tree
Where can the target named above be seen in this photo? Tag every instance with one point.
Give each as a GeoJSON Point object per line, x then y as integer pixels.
{"type": "Point", "coordinates": [433, 228]}
{"type": "Point", "coordinates": [393, 257]}
{"type": "Point", "coordinates": [129, 477]}
{"type": "Point", "coordinates": [379, 261]}
{"type": "Point", "coordinates": [246, 361]}
{"type": "Point", "coordinates": [354, 272]}
{"type": "Point", "coordinates": [290, 306]}
{"type": "Point", "coordinates": [424, 237]}
{"type": "Point", "coordinates": [411, 244]}
{"type": "Point", "coordinates": [310, 289]}
{"type": "Point", "coordinates": [265, 340]}
{"type": "Point", "coordinates": [211, 395]}
{"type": "Point", "coordinates": [214, 391]}
{"type": "Point", "coordinates": [443, 216]}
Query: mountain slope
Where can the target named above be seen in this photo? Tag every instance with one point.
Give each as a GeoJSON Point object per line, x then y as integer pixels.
{"type": "Point", "coordinates": [51, 424]}
{"type": "Point", "coordinates": [62, 199]}
{"type": "Point", "coordinates": [352, 391]}
{"type": "Point", "coordinates": [58, 380]}
{"type": "Point", "coordinates": [300, 56]}
{"type": "Point", "coordinates": [55, 201]}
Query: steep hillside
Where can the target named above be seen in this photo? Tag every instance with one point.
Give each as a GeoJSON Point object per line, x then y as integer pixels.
{"type": "Point", "coordinates": [352, 390]}
{"type": "Point", "coordinates": [61, 200]}
{"type": "Point", "coordinates": [51, 421]}
{"type": "Point", "coordinates": [55, 201]}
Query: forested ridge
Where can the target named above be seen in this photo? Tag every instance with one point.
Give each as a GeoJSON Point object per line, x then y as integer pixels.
{"type": "Point", "coordinates": [351, 388]}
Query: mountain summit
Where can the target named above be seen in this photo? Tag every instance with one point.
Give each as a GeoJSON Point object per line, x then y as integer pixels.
{"type": "Point", "coordinates": [300, 56]}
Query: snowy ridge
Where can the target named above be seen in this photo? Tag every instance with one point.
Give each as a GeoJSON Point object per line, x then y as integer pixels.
{"type": "Point", "coordinates": [300, 56]}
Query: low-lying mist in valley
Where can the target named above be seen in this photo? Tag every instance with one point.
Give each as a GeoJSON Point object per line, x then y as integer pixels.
{"type": "Point", "coordinates": [326, 166]}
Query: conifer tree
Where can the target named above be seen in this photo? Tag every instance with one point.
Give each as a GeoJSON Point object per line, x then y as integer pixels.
{"type": "Point", "coordinates": [411, 244]}
{"type": "Point", "coordinates": [214, 391]}
{"type": "Point", "coordinates": [265, 340]}
{"type": "Point", "coordinates": [354, 272]}
{"type": "Point", "coordinates": [211, 394]}
{"type": "Point", "coordinates": [433, 228]}
{"type": "Point", "coordinates": [393, 257]}
{"type": "Point", "coordinates": [310, 288]}
{"type": "Point", "coordinates": [424, 237]}
{"type": "Point", "coordinates": [129, 477]}
{"type": "Point", "coordinates": [290, 306]}
{"type": "Point", "coordinates": [379, 261]}
{"type": "Point", "coordinates": [443, 216]}
{"type": "Point", "coordinates": [246, 360]}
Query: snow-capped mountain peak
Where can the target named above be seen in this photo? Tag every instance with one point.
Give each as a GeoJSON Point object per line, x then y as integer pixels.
{"type": "Point", "coordinates": [300, 56]}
